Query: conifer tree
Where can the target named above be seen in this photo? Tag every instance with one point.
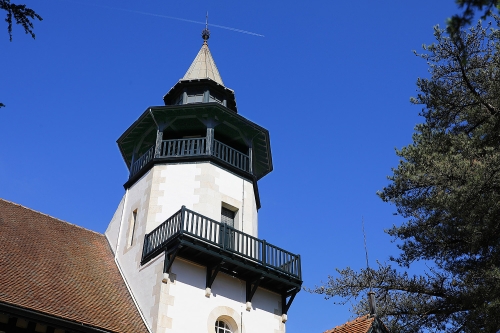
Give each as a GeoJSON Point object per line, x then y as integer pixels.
{"type": "Point", "coordinates": [447, 186]}
{"type": "Point", "coordinates": [19, 14]}
{"type": "Point", "coordinates": [485, 7]}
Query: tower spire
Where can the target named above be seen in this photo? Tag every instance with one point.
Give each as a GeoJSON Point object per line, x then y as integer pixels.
{"type": "Point", "coordinates": [203, 66]}
{"type": "Point", "coordinates": [205, 34]}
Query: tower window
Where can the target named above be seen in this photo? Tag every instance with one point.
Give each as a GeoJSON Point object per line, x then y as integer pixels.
{"type": "Point", "coordinates": [227, 216]}
{"type": "Point", "coordinates": [132, 227]}
{"type": "Point", "coordinates": [215, 98]}
{"type": "Point", "coordinates": [195, 96]}
{"type": "Point", "coordinates": [180, 99]}
{"type": "Point", "coordinates": [222, 327]}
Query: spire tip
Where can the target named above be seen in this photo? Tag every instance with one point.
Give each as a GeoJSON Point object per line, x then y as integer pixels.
{"type": "Point", "coordinates": [205, 34]}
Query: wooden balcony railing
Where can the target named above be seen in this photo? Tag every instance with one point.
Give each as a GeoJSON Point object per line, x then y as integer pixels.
{"type": "Point", "coordinates": [194, 147]}
{"type": "Point", "coordinates": [188, 223]}
{"type": "Point", "coordinates": [231, 156]}
{"type": "Point", "coordinates": [142, 161]}
{"type": "Point", "coordinates": [183, 147]}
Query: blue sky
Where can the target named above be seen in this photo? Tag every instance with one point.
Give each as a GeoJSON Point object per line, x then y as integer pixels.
{"type": "Point", "coordinates": [331, 81]}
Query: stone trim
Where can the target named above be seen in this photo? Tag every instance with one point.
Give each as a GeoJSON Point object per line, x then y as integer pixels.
{"type": "Point", "coordinates": [227, 314]}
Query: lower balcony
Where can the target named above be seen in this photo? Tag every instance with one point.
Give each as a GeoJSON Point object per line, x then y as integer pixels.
{"type": "Point", "coordinates": [220, 247]}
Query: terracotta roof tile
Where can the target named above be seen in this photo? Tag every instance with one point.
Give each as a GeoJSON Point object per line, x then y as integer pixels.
{"type": "Point", "coordinates": [359, 325]}
{"type": "Point", "coordinates": [63, 270]}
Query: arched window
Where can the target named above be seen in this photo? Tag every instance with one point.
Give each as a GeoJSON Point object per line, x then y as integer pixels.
{"type": "Point", "coordinates": [222, 327]}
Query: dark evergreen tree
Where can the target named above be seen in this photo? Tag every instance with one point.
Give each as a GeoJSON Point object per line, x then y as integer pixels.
{"type": "Point", "coordinates": [447, 186]}
{"type": "Point", "coordinates": [19, 14]}
{"type": "Point", "coordinates": [458, 21]}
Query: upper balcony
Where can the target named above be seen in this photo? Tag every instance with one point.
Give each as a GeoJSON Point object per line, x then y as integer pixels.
{"type": "Point", "coordinates": [182, 149]}
{"type": "Point", "coordinates": [196, 132]}
{"type": "Point", "coordinates": [220, 247]}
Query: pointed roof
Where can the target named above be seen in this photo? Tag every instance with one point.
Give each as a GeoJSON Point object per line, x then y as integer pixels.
{"type": "Point", "coordinates": [203, 66]}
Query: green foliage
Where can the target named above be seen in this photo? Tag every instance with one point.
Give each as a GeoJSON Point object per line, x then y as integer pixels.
{"type": "Point", "coordinates": [457, 22]}
{"type": "Point", "coordinates": [447, 186]}
{"type": "Point", "coordinates": [20, 14]}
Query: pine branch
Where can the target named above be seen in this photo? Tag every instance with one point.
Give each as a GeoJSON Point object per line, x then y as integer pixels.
{"type": "Point", "coordinates": [19, 14]}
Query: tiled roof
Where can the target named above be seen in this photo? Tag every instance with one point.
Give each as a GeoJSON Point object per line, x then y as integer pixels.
{"type": "Point", "coordinates": [59, 269]}
{"type": "Point", "coordinates": [359, 325]}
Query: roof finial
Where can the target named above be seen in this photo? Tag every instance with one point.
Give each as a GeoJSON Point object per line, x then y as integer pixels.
{"type": "Point", "coordinates": [205, 34]}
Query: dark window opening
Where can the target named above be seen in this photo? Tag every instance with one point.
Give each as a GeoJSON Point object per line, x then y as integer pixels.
{"type": "Point", "coordinates": [132, 231]}
{"type": "Point", "coordinates": [227, 216]}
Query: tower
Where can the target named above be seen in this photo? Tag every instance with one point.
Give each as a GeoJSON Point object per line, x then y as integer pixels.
{"type": "Point", "coordinates": [185, 234]}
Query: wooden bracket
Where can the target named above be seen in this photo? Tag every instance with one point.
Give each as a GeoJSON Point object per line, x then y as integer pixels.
{"type": "Point", "coordinates": [251, 290]}
{"type": "Point", "coordinates": [209, 122]}
{"type": "Point", "coordinates": [169, 259]}
{"type": "Point", "coordinates": [286, 305]}
{"type": "Point", "coordinates": [211, 275]}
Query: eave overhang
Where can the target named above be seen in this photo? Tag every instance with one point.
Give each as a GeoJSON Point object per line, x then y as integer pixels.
{"type": "Point", "coordinates": [183, 84]}
{"type": "Point", "coordinates": [142, 133]}
{"type": "Point", "coordinates": [49, 320]}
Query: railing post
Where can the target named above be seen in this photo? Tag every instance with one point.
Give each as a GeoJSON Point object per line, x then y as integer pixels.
{"type": "Point", "coordinates": [264, 245]}
{"type": "Point", "coordinates": [224, 236]}
{"type": "Point", "coordinates": [183, 214]}
{"type": "Point", "coordinates": [132, 161]}
{"type": "Point", "coordinates": [159, 138]}
{"type": "Point", "coordinates": [250, 168]}
{"type": "Point", "coordinates": [210, 139]}
{"type": "Point", "coordinates": [299, 267]}
{"type": "Point", "coordinates": [145, 246]}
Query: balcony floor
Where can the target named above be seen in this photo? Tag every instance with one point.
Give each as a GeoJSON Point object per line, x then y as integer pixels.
{"type": "Point", "coordinates": [208, 255]}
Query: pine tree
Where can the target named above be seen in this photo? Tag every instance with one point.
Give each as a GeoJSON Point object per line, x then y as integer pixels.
{"type": "Point", "coordinates": [447, 186]}
{"type": "Point", "coordinates": [470, 7]}
{"type": "Point", "coordinates": [19, 14]}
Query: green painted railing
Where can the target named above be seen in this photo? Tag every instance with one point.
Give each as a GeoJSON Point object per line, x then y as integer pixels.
{"type": "Point", "coordinates": [194, 147]}
{"type": "Point", "coordinates": [142, 161]}
{"type": "Point", "coordinates": [183, 147]}
{"type": "Point", "coordinates": [189, 223]}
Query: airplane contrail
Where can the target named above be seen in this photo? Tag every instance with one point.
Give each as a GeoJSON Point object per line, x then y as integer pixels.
{"type": "Point", "coordinates": [169, 17]}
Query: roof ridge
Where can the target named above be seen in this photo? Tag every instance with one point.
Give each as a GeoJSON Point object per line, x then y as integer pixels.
{"type": "Point", "coordinates": [52, 217]}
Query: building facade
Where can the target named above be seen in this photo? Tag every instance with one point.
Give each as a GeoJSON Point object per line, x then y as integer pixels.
{"type": "Point", "coordinates": [181, 253]}
{"type": "Point", "coordinates": [185, 234]}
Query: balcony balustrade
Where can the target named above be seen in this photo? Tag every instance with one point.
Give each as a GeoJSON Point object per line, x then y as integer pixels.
{"type": "Point", "coordinates": [193, 147]}
{"type": "Point", "coordinates": [142, 161]}
{"type": "Point", "coordinates": [222, 240]}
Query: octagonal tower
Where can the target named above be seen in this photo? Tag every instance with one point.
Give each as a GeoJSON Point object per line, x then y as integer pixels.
{"type": "Point", "coordinates": [185, 234]}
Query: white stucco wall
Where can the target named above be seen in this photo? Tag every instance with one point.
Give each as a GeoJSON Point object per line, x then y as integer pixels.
{"type": "Point", "coordinates": [142, 280]}
{"type": "Point", "coordinates": [114, 226]}
{"type": "Point", "coordinates": [185, 308]}
{"type": "Point", "coordinates": [203, 188]}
